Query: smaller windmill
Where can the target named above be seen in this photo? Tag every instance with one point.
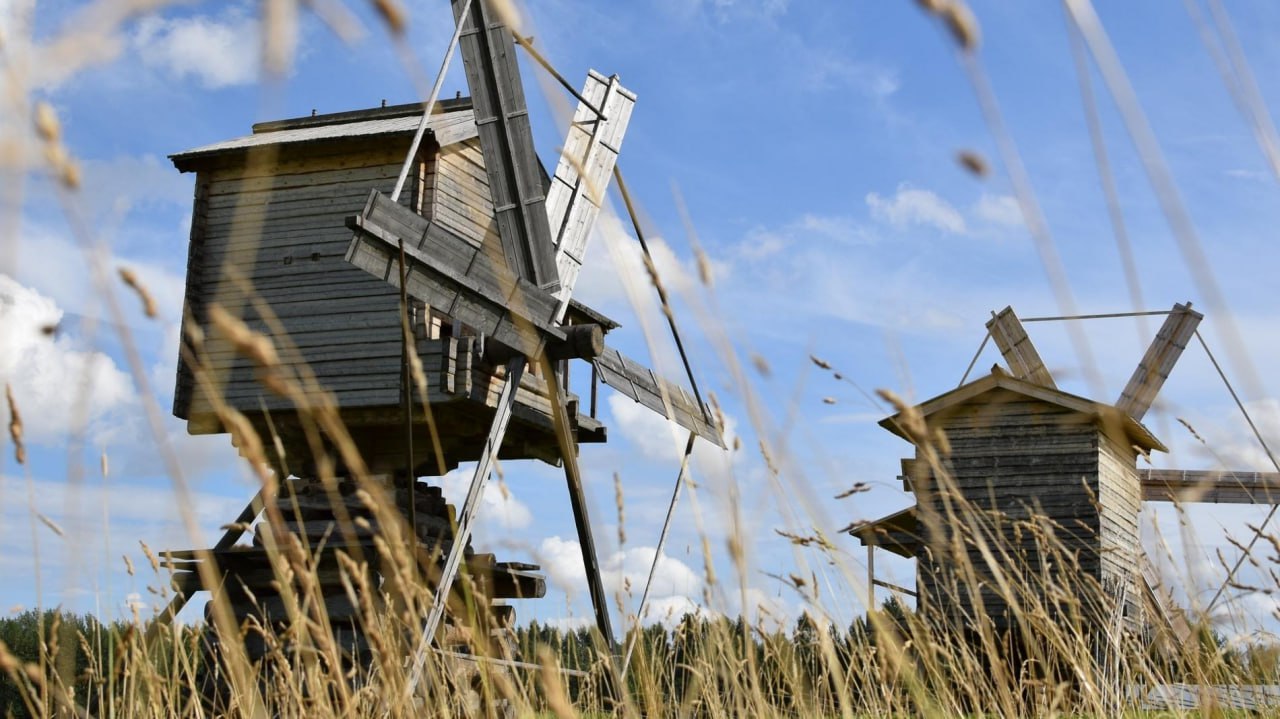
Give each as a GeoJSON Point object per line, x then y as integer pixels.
{"type": "Point", "coordinates": [1020, 449]}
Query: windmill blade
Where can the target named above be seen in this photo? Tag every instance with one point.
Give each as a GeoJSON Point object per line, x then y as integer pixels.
{"type": "Point", "coordinates": [583, 173]}
{"type": "Point", "coordinates": [1158, 362]}
{"type": "Point", "coordinates": [1016, 348]}
{"type": "Point", "coordinates": [506, 141]}
{"type": "Point", "coordinates": [448, 272]}
{"type": "Point", "coordinates": [1209, 486]}
{"type": "Point", "coordinates": [638, 382]}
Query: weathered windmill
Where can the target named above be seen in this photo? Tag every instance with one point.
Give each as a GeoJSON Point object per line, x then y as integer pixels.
{"type": "Point", "coordinates": [467, 362]}
{"type": "Point", "coordinates": [1020, 449]}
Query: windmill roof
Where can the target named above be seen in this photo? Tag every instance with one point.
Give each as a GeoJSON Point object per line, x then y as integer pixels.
{"type": "Point", "coordinates": [1113, 421]}
{"type": "Point", "coordinates": [452, 122]}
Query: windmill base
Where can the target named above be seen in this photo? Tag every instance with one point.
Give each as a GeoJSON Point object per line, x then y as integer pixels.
{"type": "Point", "coordinates": [327, 563]}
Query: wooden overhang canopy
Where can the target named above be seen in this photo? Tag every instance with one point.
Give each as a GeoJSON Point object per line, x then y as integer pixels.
{"type": "Point", "coordinates": [1115, 423]}
{"type": "Point", "coordinates": [898, 532]}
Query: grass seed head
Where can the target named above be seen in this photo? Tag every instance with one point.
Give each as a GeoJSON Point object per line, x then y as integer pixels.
{"type": "Point", "coordinates": [53, 527]}
{"type": "Point", "coordinates": [962, 24]}
{"type": "Point", "coordinates": [15, 426]}
{"type": "Point", "coordinates": [973, 162]}
{"type": "Point", "coordinates": [47, 125]}
{"type": "Point", "coordinates": [148, 301]}
{"type": "Point", "coordinates": [393, 14]}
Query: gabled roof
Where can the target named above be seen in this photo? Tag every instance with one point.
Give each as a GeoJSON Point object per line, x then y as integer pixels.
{"type": "Point", "coordinates": [452, 122]}
{"type": "Point", "coordinates": [1112, 420]}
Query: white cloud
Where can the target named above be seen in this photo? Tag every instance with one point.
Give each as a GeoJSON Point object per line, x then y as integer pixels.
{"type": "Point", "coordinates": [615, 270]}
{"type": "Point", "coordinates": [497, 504]}
{"type": "Point", "coordinates": [675, 584]}
{"type": "Point", "coordinates": [999, 210]}
{"type": "Point", "coordinates": [661, 439]}
{"type": "Point", "coordinates": [217, 52]}
{"type": "Point", "coordinates": [59, 387]}
{"type": "Point", "coordinates": [911, 206]}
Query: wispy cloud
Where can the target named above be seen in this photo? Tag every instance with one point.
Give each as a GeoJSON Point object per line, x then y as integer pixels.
{"type": "Point", "coordinates": [999, 210]}
{"type": "Point", "coordinates": [910, 206]}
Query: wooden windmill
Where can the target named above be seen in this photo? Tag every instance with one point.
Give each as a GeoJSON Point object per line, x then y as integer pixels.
{"type": "Point", "coordinates": [476, 250]}
{"type": "Point", "coordinates": [1019, 448]}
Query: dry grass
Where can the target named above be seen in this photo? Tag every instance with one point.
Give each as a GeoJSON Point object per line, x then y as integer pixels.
{"type": "Point", "coordinates": [1068, 651]}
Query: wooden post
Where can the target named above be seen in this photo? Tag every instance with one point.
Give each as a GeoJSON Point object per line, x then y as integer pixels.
{"type": "Point", "coordinates": [871, 577]}
{"type": "Point", "coordinates": [578, 500]}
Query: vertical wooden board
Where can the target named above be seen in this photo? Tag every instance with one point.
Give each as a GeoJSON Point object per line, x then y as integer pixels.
{"type": "Point", "coordinates": [1140, 392]}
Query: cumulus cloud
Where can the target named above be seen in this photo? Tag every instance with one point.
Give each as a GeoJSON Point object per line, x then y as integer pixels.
{"type": "Point", "coordinates": [497, 504]}
{"type": "Point", "coordinates": [59, 386]}
{"type": "Point", "coordinates": [663, 440]}
{"type": "Point", "coordinates": [216, 52]}
{"type": "Point", "coordinates": [912, 206]}
{"type": "Point", "coordinates": [675, 584]}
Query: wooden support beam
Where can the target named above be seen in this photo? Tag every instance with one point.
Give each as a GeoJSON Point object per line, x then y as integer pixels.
{"type": "Point", "coordinates": [233, 533]}
{"type": "Point", "coordinates": [466, 518]}
{"type": "Point", "coordinates": [1016, 348]}
{"type": "Point", "coordinates": [1178, 329]}
{"type": "Point", "coordinates": [578, 501]}
{"type": "Point", "coordinates": [506, 140]}
{"type": "Point", "coordinates": [452, 275]}
{"type": "Point", "coordinates": [1209, 486]}
{"type": "Point", "coordinates": [895, 588]}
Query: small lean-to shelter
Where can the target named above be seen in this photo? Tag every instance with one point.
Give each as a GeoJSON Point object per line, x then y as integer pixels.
{"type": "Point", "coordinates": [1004, 461]}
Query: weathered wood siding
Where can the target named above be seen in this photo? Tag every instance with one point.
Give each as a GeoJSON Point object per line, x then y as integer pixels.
{"type": "Point", "coordinates": [268, 240]}
{"type": "Point", "coordinates": [1015, 462]}
{"type": "Point", "coordinates": [1120, 502]}
{"type": "Point", "coordinates": [459, 194]}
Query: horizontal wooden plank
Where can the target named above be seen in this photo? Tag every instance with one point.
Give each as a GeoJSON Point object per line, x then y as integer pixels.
{"type": "Point", "coordinates": [328, 179]}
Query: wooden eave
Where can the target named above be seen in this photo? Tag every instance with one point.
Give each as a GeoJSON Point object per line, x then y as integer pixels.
{"type": "Point", "coordinates": [898, 532]}
{"type": "Point", "coordinates": [1112, 420]}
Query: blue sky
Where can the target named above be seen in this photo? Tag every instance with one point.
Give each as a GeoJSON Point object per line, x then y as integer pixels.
{"type": "Point", "coordinates": [813, 145]}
